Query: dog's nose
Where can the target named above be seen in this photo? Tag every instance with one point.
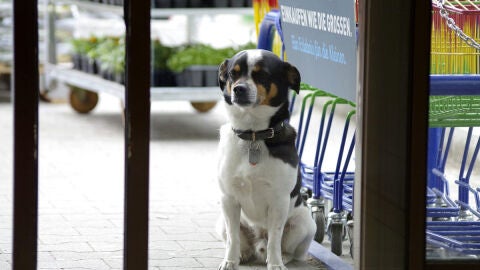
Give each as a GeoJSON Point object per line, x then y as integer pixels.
{"type": "Point", "coordinates": [240, 88]}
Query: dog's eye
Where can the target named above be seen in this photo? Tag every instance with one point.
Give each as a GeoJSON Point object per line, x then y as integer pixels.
{"type": "Point", "coordinates": [233, 73]}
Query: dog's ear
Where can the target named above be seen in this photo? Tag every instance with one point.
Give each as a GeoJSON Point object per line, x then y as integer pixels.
{"type": "Point", "coordinates": [293, 77]}
{"type": "Point", "coordinates": [222, 74]}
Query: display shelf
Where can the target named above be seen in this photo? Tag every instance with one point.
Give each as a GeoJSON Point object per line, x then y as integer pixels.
{"type": "Point", "coordinates": [95, 83]}
{"type": "Point", "coordinates": [192, 94]}
{"type": "Point", "coordinates": [92, 6]}
{"type": "Point", "coordinates": [85, 81]}
{"type": "Point", "coordinates": [161, 12]}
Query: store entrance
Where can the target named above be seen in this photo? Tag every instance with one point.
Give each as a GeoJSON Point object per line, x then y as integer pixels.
{"type": "Point", "coordinates": [388, 147]}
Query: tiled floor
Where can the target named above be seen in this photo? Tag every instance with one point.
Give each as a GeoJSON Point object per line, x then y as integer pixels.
{"type": "Point", "coordinates": [81, 188]}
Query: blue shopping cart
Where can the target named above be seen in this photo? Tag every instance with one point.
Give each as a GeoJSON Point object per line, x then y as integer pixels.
{"type": "Point", "coordinates": [325, 184]}
{"type": "Point", "coordinates": [453, 224]}
{"type": "Point", "coordinates": [320, 186]}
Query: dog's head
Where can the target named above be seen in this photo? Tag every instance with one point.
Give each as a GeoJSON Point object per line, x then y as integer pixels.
{"type": "Point", "coordinates": [257, 77]}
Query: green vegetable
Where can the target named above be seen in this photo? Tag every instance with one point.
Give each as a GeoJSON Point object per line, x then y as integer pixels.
{"type": "Point", "coordinates": [161, 54]}
{"type": "Point", "coordinates": [201, 55]}
{"type": "Point", "coordinates": [83, 45]}
{"type": "Point", "coordinates": [110, 52]}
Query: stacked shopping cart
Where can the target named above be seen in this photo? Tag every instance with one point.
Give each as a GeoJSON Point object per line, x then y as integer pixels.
{"type": "Point", "coordinates": [453, 219]}
{"type": "Point", "coordinates": [326, 165]}
{"type": "Point", "coordinates": [326, 168]}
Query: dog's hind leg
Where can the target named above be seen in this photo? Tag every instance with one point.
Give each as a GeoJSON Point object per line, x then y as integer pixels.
{"type": "Point", "coordinates": [298, 234]}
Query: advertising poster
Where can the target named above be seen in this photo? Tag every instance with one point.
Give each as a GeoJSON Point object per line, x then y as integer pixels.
{"type": "Point", "coordinates": [320, 40]}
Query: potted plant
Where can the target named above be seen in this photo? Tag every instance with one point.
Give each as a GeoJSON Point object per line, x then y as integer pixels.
{"type": "Point", "coordinates": [78, 52]}
{"type": "Point", "coordinates": [92, 56]}
{"type": "Point", "coordinates": [81, 48]}
{"type": "Point", "coordinates": [186, 64]}
{"type": "Point", "coordinates": [162, 75]}
{"type": "Point", "coordinates": [197, 65]}
{"type": "Point", "coordinates": [118, 64]}
{"type": "Point", "coordinates": [111, 57]}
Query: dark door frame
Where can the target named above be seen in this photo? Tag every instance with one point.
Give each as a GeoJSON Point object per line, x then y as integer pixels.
{"type": "Point", "coordinates": [392, 142]}
{"type": "Point", "coordinates": [137, 134]}
{"type": "Point", "coordinates": [392, 127]}
{"type": "Point", "coordinates": [25, 142]}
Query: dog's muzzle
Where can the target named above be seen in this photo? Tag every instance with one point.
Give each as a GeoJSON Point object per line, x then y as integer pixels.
{"type": "Point", "coordinates": [243, 95]}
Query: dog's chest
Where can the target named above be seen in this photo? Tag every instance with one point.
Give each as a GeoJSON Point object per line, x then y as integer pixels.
{"type": "Point", "coordinates": [254, 187]}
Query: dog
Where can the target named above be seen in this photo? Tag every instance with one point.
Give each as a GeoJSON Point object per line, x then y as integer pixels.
{"type": "Point", "coordinates": [263, 215]}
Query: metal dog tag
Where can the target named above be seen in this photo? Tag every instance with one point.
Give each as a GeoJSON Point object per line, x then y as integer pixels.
{"type": "Point", "coordinates": [254, 153]}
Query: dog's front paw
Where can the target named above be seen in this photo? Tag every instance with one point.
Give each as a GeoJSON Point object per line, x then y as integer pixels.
{"type": "Point", "coordinates": [276, 267]}
{"type": "Point", "coordinates": [228, 265]}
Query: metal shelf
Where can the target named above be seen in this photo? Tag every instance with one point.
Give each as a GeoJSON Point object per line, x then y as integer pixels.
{"type": "Point", "coordinates": [92, 6]}
{"type": "Point", "coordinates": [195, 94]}
{"type": "Point", "coordinates": [97, 84]}
{"type": "Point", "coordinates": [160, 12]}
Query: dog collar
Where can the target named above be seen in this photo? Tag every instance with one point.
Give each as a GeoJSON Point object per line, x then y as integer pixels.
{"type": "Point", "coordinates": [250, 135]}
{"type": "Point", "coordinates": [254, 151]}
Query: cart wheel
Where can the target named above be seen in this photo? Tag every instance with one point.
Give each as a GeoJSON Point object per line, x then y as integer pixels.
{"type": "Point", "coordinates": [83, 101]}
{"type": "Point", "coordinates": [319, 218]}
{"type": "Point", "coordinates": [337, 236]}
{"type": "Point", "coordinates": [203, 106]}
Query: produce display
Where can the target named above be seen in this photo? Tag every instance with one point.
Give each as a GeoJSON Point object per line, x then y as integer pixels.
{"type": "Point", "coordinates": [185, 3]}
{"type": "Point", "coordinates": [103, 56]}
{"type": "Point", "coordinates": [200, 3]}
{"type": "Point", "coordinates": [190, 65]}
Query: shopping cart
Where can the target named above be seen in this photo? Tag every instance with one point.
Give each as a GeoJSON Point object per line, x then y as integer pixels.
{"type": "Point", "coordinates": [453, 226]}
{"type": "Point", "coordinates": [322, 187]}
{"type": "Point", "coordinates": [455, 229]}
{"type": "Point", "coordinates": [439, 204]}
{"type": "Point", "coordinates": [309, 170]}
{"type": "Point", "coordinates": [325, 185]}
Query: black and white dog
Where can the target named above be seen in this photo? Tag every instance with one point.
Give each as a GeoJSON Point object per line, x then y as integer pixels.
{"type": "Point", "coordinates": [263, 215]}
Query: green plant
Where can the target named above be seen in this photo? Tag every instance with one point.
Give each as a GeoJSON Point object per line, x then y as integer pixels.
{"type": "Point", "coordinates": [200, 54]}
{"type": "Point", "coordinates": [161, 54]}
{"type": "Point", "coordinates": [118, 60]}
{"type": "Point", "coordinates": [92, 52]}
{"type": "Point", "coordinates": [111, 54]}
{"type": "Point", "coordinates": [83, 45]}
